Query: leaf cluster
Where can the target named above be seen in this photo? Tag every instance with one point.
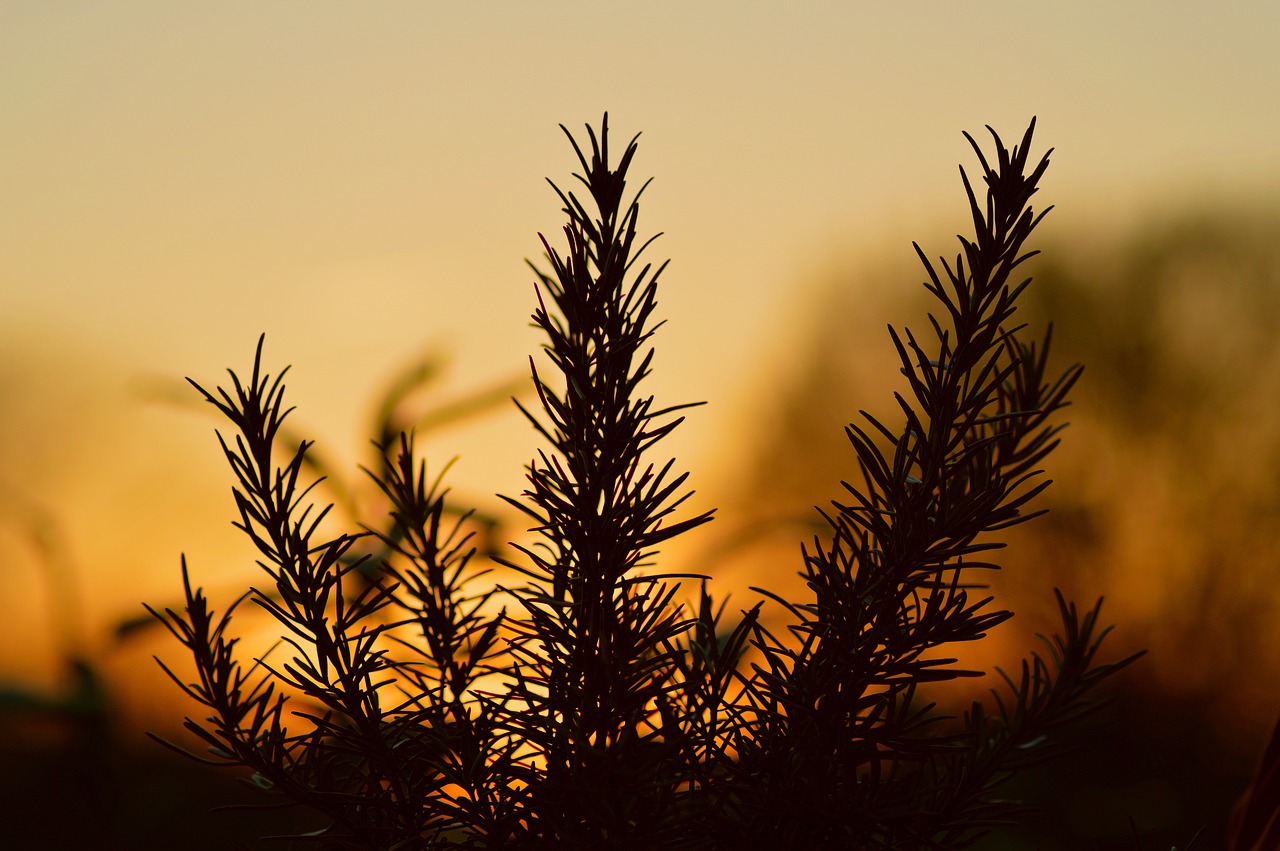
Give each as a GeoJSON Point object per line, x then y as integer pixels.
{"type": "Point", "coordinates": [584, 705]}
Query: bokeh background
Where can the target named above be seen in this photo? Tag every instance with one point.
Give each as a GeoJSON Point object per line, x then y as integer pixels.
{"type": "Point", "coordinates": [362, 183]}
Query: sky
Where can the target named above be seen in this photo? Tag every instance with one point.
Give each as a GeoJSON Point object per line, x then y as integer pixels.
{"type": "Point", "coordinates": [363, 182]}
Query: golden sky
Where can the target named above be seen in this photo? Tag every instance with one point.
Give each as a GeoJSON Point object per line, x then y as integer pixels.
{"type": "Point", "coordinates": [363, 181]}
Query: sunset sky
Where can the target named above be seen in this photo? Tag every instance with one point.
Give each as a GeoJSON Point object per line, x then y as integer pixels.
{"type": "Point", "coordinates": [362, 182]}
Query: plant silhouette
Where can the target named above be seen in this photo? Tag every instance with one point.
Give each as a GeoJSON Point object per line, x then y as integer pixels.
{"type": "Point", "coordinates": [583, 706]}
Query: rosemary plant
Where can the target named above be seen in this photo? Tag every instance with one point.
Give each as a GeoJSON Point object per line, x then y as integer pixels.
{"type": "Point", "coordinates": [585, 706]}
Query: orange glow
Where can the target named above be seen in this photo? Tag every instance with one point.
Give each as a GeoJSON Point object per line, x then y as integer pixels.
{"type": "Point", "coordinates": [364, 185]}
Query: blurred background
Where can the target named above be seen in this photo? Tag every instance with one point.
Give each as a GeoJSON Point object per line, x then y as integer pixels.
{"type": "Point", "coordinates": [363, 183]}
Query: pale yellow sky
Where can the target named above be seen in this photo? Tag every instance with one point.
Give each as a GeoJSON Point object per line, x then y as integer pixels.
{"type": "Point", "coordinates": [363, 180]}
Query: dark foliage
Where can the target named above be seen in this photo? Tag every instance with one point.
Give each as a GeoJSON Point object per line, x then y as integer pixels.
{"type": "Point", "coordinates": [594, 710]}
